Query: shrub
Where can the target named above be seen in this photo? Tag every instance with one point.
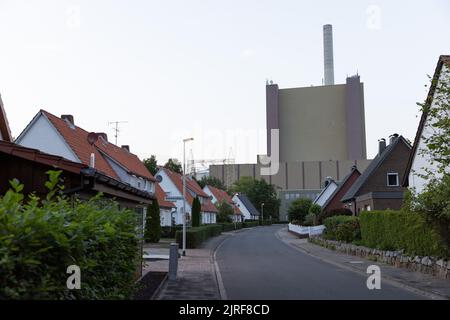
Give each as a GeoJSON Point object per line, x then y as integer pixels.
{"type": "Point", "coordinates": [250, 224]}
{"type": "Point", "coordinates": [299, 208]}
{"type": "Point", "coordinates": [266, 223]}
{"type": "Point", "coordinates": [196, 235]}
{"type": "Point", "coordinates": [231, 226]}
{"type": "Point", "coordinates": [169, 232]}
{"type": "Point", "coordinates": [40, 238]}
{"type": "Point", "coordinates": [225, 212]}
{"type": "Point", "coordinates": [397, 230]}
{"type": "Point", "coordinates": [342, 228]}
{"type": "Point", "coordinates": [196, 212]}
{"type": "Point", "coordinates": [153, 223]}
{"type": "Point", "coordinates": [310, 220]}
{"type": "Point", "coordinates": [331, 213]}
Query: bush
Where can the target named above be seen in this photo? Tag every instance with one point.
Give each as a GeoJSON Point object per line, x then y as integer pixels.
{"type": "Point", "coordinates": [299, 208]}
{"type": "Point", "coordinates": [342, 228]}
{"type": "Point", "coordinates": [225, 212]}
{"type": "Point", "coordinates": [266, 223]}
{"type": "Point", "coordinates": [152, 223]}
{"type": "Point", "coordinates": [231, 226]}
{"type": "Point", "coordinates": [169, 232]}
{"type": "Point", "coordinates": [310, 220]}
{"type": "Point", "coordinates": [250, 224]}
{"type": "Point", "coordinates": [196, 235]}
{"type": "Point", "coordinates": [396, 230]}
{"type": "Point", "coordinates": [40, 238]}
{"type": "Point", "coordinates": [335, 212]}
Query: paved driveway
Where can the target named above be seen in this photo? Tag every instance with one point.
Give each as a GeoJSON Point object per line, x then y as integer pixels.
{"type": "Point", "coordinates": [257, 265]}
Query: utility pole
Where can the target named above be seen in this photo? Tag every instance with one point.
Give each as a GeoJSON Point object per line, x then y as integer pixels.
{"type": "Point", "coordinates": [116, 128]}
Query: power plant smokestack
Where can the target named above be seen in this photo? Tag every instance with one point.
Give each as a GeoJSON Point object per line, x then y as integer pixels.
{"type": "Point", "coordinates": [328, 54]}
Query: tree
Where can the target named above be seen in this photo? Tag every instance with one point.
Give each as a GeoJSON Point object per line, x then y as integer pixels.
{"type": "Point", "coordinates": [211, 181]}
{"type": "Point", "coordinates": [258, 192]}
{"type": "Point", "coordinates": [151, 164]}
{"type": "Point", "coordinates": [152, 231]}
{"type": "Point", "coordinates": [298, 209]}
{"type": "Point", "coordinates": [196, 212]}
{"type": "Point", "coordinates": [437, 126]}
{"type": "Point", "coordinates": [225, 212]}
{"type": "Point", "coordinates": [174, 165]}
{"type": "Point", "coordinates": [434, 204]}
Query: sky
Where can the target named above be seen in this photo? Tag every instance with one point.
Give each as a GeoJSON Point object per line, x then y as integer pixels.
{"type": "Point", "coordinates": [177, 69]}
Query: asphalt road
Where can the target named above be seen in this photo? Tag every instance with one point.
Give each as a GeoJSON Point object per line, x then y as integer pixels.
{"type": "Point", "coordinates": [256, 265]}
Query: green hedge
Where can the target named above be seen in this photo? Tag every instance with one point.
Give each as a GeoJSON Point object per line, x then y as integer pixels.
{"type": "Point", "coordinates": [266, 223]}
{"type": "Point", "coordinates": [396, 230]}
{"type": "Point", "coordinates": [40, 238]}
{"type": "Point", "coordinates": [196, 235]}
{"type": "Point", "coordinates": [230, 226]}
{"type": "Point", "coordinates": [342, 228]}
{"type": "Point", "coordinates": [250, 224]}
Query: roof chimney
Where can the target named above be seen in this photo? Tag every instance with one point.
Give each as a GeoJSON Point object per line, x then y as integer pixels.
{"type": "Point", "coordinates": [126, 147]}
{"type": "Point", "coordinates": [103, 135]}
{"type": "Point", "coordinates": [381, 145]}
{"type": "Point", "coordinates": [92, 160]}
{"type": "Point", "coordinates": [328, 54]}
{"type": "Point", "coordinates": [68, 118]}
{"type": "Point", "coordinates": [392, 138]}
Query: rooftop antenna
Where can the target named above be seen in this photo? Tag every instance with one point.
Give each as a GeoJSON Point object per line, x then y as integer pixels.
{"type": "Point", "coordinates": [116, 128]}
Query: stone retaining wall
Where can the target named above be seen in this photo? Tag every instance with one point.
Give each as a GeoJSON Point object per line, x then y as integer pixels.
{"type": "Point", "coordinates": [430, 265]}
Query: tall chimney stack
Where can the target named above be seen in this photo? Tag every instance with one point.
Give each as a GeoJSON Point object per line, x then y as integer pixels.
{"type": "Point", "coordinates": [328, 54]}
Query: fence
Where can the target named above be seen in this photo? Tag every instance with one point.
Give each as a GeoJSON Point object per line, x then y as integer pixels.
{"type": "Point", "coordinates": [311, 231]}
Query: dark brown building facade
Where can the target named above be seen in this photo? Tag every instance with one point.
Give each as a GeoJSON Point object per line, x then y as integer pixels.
{"type": "Point", "coordinates": [380, 186]}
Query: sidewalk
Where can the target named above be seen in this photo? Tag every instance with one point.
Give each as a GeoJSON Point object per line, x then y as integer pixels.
{"type": "Point", "coordinates": [196, 279]}
{"type": "Point", "coordinates": [417, 282]}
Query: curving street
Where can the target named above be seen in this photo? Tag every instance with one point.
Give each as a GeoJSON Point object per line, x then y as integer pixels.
{"type": "Point", "coordinates": [256, 265]}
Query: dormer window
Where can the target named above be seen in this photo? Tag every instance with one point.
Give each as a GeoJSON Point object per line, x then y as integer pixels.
{"type": "Point", "coordinates": [392, 179]}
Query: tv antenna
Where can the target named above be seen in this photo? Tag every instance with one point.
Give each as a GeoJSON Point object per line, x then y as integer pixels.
{"type": "Point", "coordinates": [116, 127]}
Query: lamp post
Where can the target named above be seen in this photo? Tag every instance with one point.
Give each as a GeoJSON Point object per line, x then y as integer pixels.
{"type": "Point", "coordinates": [262, 213]}
{"type": "Point", "coordinates": [184, 193]}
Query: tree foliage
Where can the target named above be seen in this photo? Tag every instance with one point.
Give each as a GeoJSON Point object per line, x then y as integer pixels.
{"type": "Point", "coordinates": [196, 212]}
{"type": "Point", "coordinates": [211, 181]}
{"type": "Point", "coordinates": [153, 223]}
{"type": "Point", "coordinates": [151, 164]}
{"type": "Point", "coordinates": [258, 192]}
{"type": "Point", "coordinates": [437, 126]}
{"type": "Point", "coordinates": [225, 212]}
{"type": "Point", "coordinates": [174, 165]}
{"type": "Point", "coordinates": [299, 209]}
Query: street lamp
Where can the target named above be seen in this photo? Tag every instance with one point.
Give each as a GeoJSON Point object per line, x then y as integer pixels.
{"type": "Point", "coordinates": [262, 213]}
{"type": "Point", "coordinates": [184, 193]}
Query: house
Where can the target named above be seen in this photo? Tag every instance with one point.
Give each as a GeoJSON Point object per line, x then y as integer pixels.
{"type": "Point", "coordinates": [333, 201]}
{"type": "Point", "coordinates": [417, 162]}
{"type": "Point", "coordinates": [167, 209]}
{"type": "Point", "coordinates": [5, 132]}
{"type": "Point", "coordinates": [172, 185]}
{"type": "Point", "coordinates": [379, 187]}
{"type": "Point", "coordinates": [218, 195]}
{"type": "Point", "coordinates": [327, 191]}
{"type": "Point", "coordinates": [246, 206]}
{"type": "Point", "coordinates": [61, 137]}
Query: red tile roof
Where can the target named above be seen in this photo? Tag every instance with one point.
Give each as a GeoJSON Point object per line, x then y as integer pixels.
{"type": "Point", "coordinates": [161, 196]}
{"type": "Point", "coordinates": [177, 179]}
{"type": "Point", "coordinates": [222, 195]}
{"type": "Point", "coordinates": [76, 138]}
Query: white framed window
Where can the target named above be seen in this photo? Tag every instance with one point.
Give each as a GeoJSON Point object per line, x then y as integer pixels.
{"type": "Point", "coordinates": [392, 179]}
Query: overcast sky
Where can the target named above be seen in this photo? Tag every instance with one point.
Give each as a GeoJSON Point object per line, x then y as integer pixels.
{"type": "Point", "coordinates": [174, 69]}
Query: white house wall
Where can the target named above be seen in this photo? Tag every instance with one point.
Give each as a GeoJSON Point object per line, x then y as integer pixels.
{"type": "Point", "coordinates": [173, 195]}
{"type": "Point", "coordinates": [243, 208]}
{"type": "Point", "coordinates": [42, 135]}
{"type": "Point", "coordinates": [209, 193]}
{"type": "Point", "coordinates": [421, 161]}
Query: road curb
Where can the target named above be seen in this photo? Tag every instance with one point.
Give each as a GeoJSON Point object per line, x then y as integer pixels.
{"type": "Point", "coordinates": [387, 279]}
{"type": "Point", "coordinates": [161, 285]}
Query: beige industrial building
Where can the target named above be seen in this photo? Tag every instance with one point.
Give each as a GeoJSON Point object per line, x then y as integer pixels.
{"type": "Point", "coordinates": [321, 133]}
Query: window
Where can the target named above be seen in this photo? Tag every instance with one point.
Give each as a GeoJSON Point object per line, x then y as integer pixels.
{"type": "Point", "coordinates": [392, 179]}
